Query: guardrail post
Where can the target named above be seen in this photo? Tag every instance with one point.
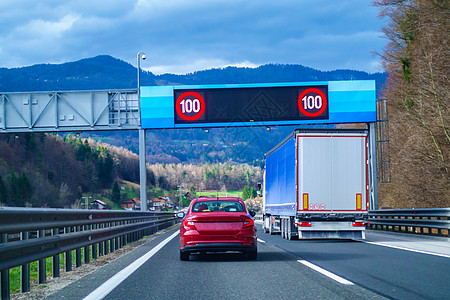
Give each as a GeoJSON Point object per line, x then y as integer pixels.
{"type": "Point", "coordinates": [78, 251]}
{"type": "Point", "coordinates": [100, 249]}
{"type": "Point", "coordinates": [68, 256]}
{"type": "Point", "coordinates": [5, 284]}
{"type": "Point", "coordinates": [86, 248]}
{"type": "Point", "coordinates": [4, 274]}
{"type": "Point", "coordinates": [55, 260]}
{"type": "Point", "coordinates": [106, 243]}
{"type": "Point", "coordinates": [94, 246]}
{"type": "Point", "coordinates": [77, 257]}
{"type": "Point", "coordinates": [86, 255]}
{"type": "Point", "coordinates": [25, 269]}
{"type": "Point", "coordinates": [42, 276]}
{"type": "Point", "coordinates": [105, 247]}
{"type": "Point", "coordinates": [94, 251]}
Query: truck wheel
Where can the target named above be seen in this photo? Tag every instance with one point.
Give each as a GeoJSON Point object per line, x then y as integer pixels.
{"type": "Point", "coordinates": [289, 231]}
{"type": "Point", "coordinates": [286, 228]}
{"type": "Point", "coordinates": [282, 228]}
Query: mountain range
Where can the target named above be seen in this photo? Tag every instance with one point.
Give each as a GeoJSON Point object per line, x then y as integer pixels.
{"type": "Point", "coordinates": [175, 146]}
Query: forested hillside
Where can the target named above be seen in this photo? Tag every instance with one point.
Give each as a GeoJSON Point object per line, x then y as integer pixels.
{"type": "Point", "coordinates": [47, 170]}
{"type": "Point", "coordinates": [194, 146]}
{"type": "Point", "coordinates": [44, 170]}
{"type": "Point", "coordinates": [417, 59]}
{"type": "Point", "coordinates": [106, 72]}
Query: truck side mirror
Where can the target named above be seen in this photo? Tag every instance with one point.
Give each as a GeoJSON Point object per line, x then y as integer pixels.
{"type": "Point", "coordinates": [252, 213]}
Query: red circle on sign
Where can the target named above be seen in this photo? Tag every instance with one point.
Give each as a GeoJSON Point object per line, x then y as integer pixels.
{"type": "Point", "coordinates": [321, 110]}
{"type": "Point", "coordinates": [202, 106]}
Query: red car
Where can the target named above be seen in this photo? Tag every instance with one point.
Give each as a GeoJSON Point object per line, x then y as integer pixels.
{"type": "Point", "coordinates": [218, 225]}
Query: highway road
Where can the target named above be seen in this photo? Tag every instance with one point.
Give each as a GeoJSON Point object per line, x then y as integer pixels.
{"type": "Point", "coordinates": [301, 269]}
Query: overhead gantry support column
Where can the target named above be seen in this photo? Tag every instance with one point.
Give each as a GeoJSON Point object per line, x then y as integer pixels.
{"type": "Point", "coordinates": [142, 170]}
{"type": "Point", "coordinates": [142, 164]}
{"type": "Point", "coordinates": [373, 188]}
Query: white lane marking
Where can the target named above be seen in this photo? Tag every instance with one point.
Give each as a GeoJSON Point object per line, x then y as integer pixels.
{"type": "Point", "coordinates": [114, 281]}
{"type": "Point", "coordinates": [261, 241]}
{"type": "Point", "coordinates": [407, 249]}
{"type": "Point", "coordinates": [325, 272]}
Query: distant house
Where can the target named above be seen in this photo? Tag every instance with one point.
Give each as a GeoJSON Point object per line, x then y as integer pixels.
{"type": "Point", "coordinates": [131, 204]}
{"type": "Point", "coordinates": [97, 204]}
{"type": "Point", "coordinates": [159, 203]}
{"type": "Point", "coordinates": [171, 199]}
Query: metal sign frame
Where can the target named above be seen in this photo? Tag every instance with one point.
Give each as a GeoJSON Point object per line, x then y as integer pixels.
{"type": "Point", "coordinates": [69, 111]}
{"type": "Point", "coordinates": [153, 107]}
{"type": "Point", "coordinates": [348, 101]}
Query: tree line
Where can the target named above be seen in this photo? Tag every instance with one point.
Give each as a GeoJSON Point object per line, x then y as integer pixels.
{"type": "Point", "coordinates": [46, 170]}
{"type": "Point", "coordinates": [217, 176]}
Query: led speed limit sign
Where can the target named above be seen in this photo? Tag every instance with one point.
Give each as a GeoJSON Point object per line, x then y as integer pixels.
{"type": "Point", "coordinates": [312, 102]}
{"type": "Point", "coordinates": [190, 106]}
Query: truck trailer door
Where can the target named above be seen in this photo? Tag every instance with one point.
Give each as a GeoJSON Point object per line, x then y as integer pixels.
{"type": "Point", "coordinates": [332, 172]}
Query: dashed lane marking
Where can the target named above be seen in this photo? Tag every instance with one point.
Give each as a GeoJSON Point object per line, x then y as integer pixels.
{"type": "Point", "coordinates": [325, 272]}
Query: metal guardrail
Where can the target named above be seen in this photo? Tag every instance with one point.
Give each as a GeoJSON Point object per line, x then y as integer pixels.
{"type": "Point", "coordinates": [420, 221]}
{"type": "Point", "coordinates": [34, 234]}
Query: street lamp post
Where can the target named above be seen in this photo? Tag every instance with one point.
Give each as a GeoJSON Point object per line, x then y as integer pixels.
{"type": "Point", "coordinates": [142, 167]}
{"type": "Point", "coordinates": [179, 195]}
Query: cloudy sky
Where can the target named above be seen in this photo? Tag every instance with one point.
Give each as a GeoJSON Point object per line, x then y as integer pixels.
{"type": "Point", "coordinates": [181, 36]}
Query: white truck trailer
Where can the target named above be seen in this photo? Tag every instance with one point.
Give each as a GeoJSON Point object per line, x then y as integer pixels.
{"type": "Point", "coordinates": [316, 185]}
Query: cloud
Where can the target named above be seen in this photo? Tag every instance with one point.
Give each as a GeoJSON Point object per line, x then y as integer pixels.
{"type": "Point", "coordinates": [201, 64]}
{"type": "Point", "coordinates": [182, 36]}
{"type": "Point", "coordinates": [43, 29]}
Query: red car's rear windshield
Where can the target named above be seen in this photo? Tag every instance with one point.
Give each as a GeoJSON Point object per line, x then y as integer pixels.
{"type": "Point", "coordinates": [219, 205]}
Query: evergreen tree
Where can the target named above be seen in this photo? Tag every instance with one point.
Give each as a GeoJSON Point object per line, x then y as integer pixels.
{"type": "Point", "coordinates": [151, 179]}
{"type": "Point", "coordinates": [20, 189]}
{"type": "Point", "coordinates": [3, 192]}
{"type": "Point", "coordinates": [25, 187]}
{"type": "Point", "coordinates": [14, 190]}
{"type": "Point", "coordinates": [105, 170]}
{"type": "Point", "coordinates": [248, 192]}
{"type": "Point", "coordinates": [115, 193]}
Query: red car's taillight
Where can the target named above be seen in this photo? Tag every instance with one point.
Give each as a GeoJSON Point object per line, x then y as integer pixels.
{"type": "Point", "coordinates": [248, 222]}
{"type": "Point", "coordinates": [189, 225]}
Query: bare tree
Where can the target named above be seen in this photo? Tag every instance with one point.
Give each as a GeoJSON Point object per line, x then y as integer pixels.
{"type": "Point", "coordinates": [417, 60]}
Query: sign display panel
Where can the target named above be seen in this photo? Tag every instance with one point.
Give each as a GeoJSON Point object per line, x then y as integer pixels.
{"type": "Point", "coordinates": [258, 104]}
{"type": "Point", "coordinates": [250, 104]}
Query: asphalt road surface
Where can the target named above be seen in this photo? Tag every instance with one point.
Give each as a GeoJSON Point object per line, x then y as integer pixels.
{"type": "Point", "coordinates": [301, 269]}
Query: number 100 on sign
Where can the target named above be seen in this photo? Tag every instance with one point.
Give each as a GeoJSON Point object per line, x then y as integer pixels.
{"type": "Point", "coordinates": [312, 102]}
{"type": "Point", "coordinates": [190, 106]}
